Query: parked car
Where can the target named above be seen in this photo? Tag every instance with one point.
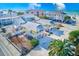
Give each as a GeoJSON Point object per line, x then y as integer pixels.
{"type": "Point", "coordinates": [28, 36]}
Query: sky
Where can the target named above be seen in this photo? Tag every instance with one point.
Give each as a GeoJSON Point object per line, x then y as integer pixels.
{"type": "Point", "coordinates": [41, 6]}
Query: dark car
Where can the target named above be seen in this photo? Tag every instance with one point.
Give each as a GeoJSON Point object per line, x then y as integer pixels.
{"type": "Point", "coordinates": [28, 36]}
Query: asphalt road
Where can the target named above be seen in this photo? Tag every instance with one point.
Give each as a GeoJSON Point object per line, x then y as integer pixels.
{"type": "Point", "coordinates": [1, 53]}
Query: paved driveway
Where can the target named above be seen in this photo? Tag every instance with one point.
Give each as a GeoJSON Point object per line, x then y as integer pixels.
{"type": "Point", "coordinates": [38, 51]}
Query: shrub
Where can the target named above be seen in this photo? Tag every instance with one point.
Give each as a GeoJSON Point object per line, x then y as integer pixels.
{"type": "Point", "coordinates": [67, 17]}
{"type": "Point", "coordinates": [44, 17]}
{"type": "Point", "coordinates": [20, 13]}
{"type": "Point", "coordinates": [34, 42]}
{"type": "Point", "coordinates": [73, 35]}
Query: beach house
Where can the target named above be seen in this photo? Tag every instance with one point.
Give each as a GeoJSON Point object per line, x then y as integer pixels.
{"type": "Point", "coordinates": [56, 15]}
{"type": "Point", "coordinates": [31, 26]}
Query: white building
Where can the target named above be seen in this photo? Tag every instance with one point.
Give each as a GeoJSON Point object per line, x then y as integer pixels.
{"type": "Point", "coordinates": [7, 13]}
{"type": "Point", "coordinates": [33, 26]}
{"type": "Point", "coordinates": [36, 12]}
{"type": "Point", "coordinates": [56, 15]}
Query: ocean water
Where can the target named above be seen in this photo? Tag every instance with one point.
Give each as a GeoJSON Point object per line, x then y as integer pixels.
{"type": "Point", "coordinates": [72, 12]}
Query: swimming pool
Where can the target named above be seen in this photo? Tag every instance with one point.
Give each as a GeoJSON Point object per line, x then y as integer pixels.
{"type": "Point", "coordinates": [44, 42]}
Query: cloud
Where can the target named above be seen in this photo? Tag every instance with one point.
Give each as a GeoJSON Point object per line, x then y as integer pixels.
{"type": "Point", "coordinates": [34, 5]}
{"type": "Point", "coordinates": [60, 6]}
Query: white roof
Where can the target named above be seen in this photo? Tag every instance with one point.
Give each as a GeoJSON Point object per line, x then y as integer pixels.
{"type": "Point", "coordinates": [30, 15]}
{"type": "Point", "coordinates": [31, 26]}
{"type": "Point", "coordinates": [44, 21]}
{"type": "Point", "coordinates": [18, 21]}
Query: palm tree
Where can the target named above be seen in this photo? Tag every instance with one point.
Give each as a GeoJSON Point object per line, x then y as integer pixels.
{"type": "Point", "coordinates": [9, 11]}
{"type": "Point", "coordinates": [74, 38]}
{"type": "Point", "coordinates": [61, 48]}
